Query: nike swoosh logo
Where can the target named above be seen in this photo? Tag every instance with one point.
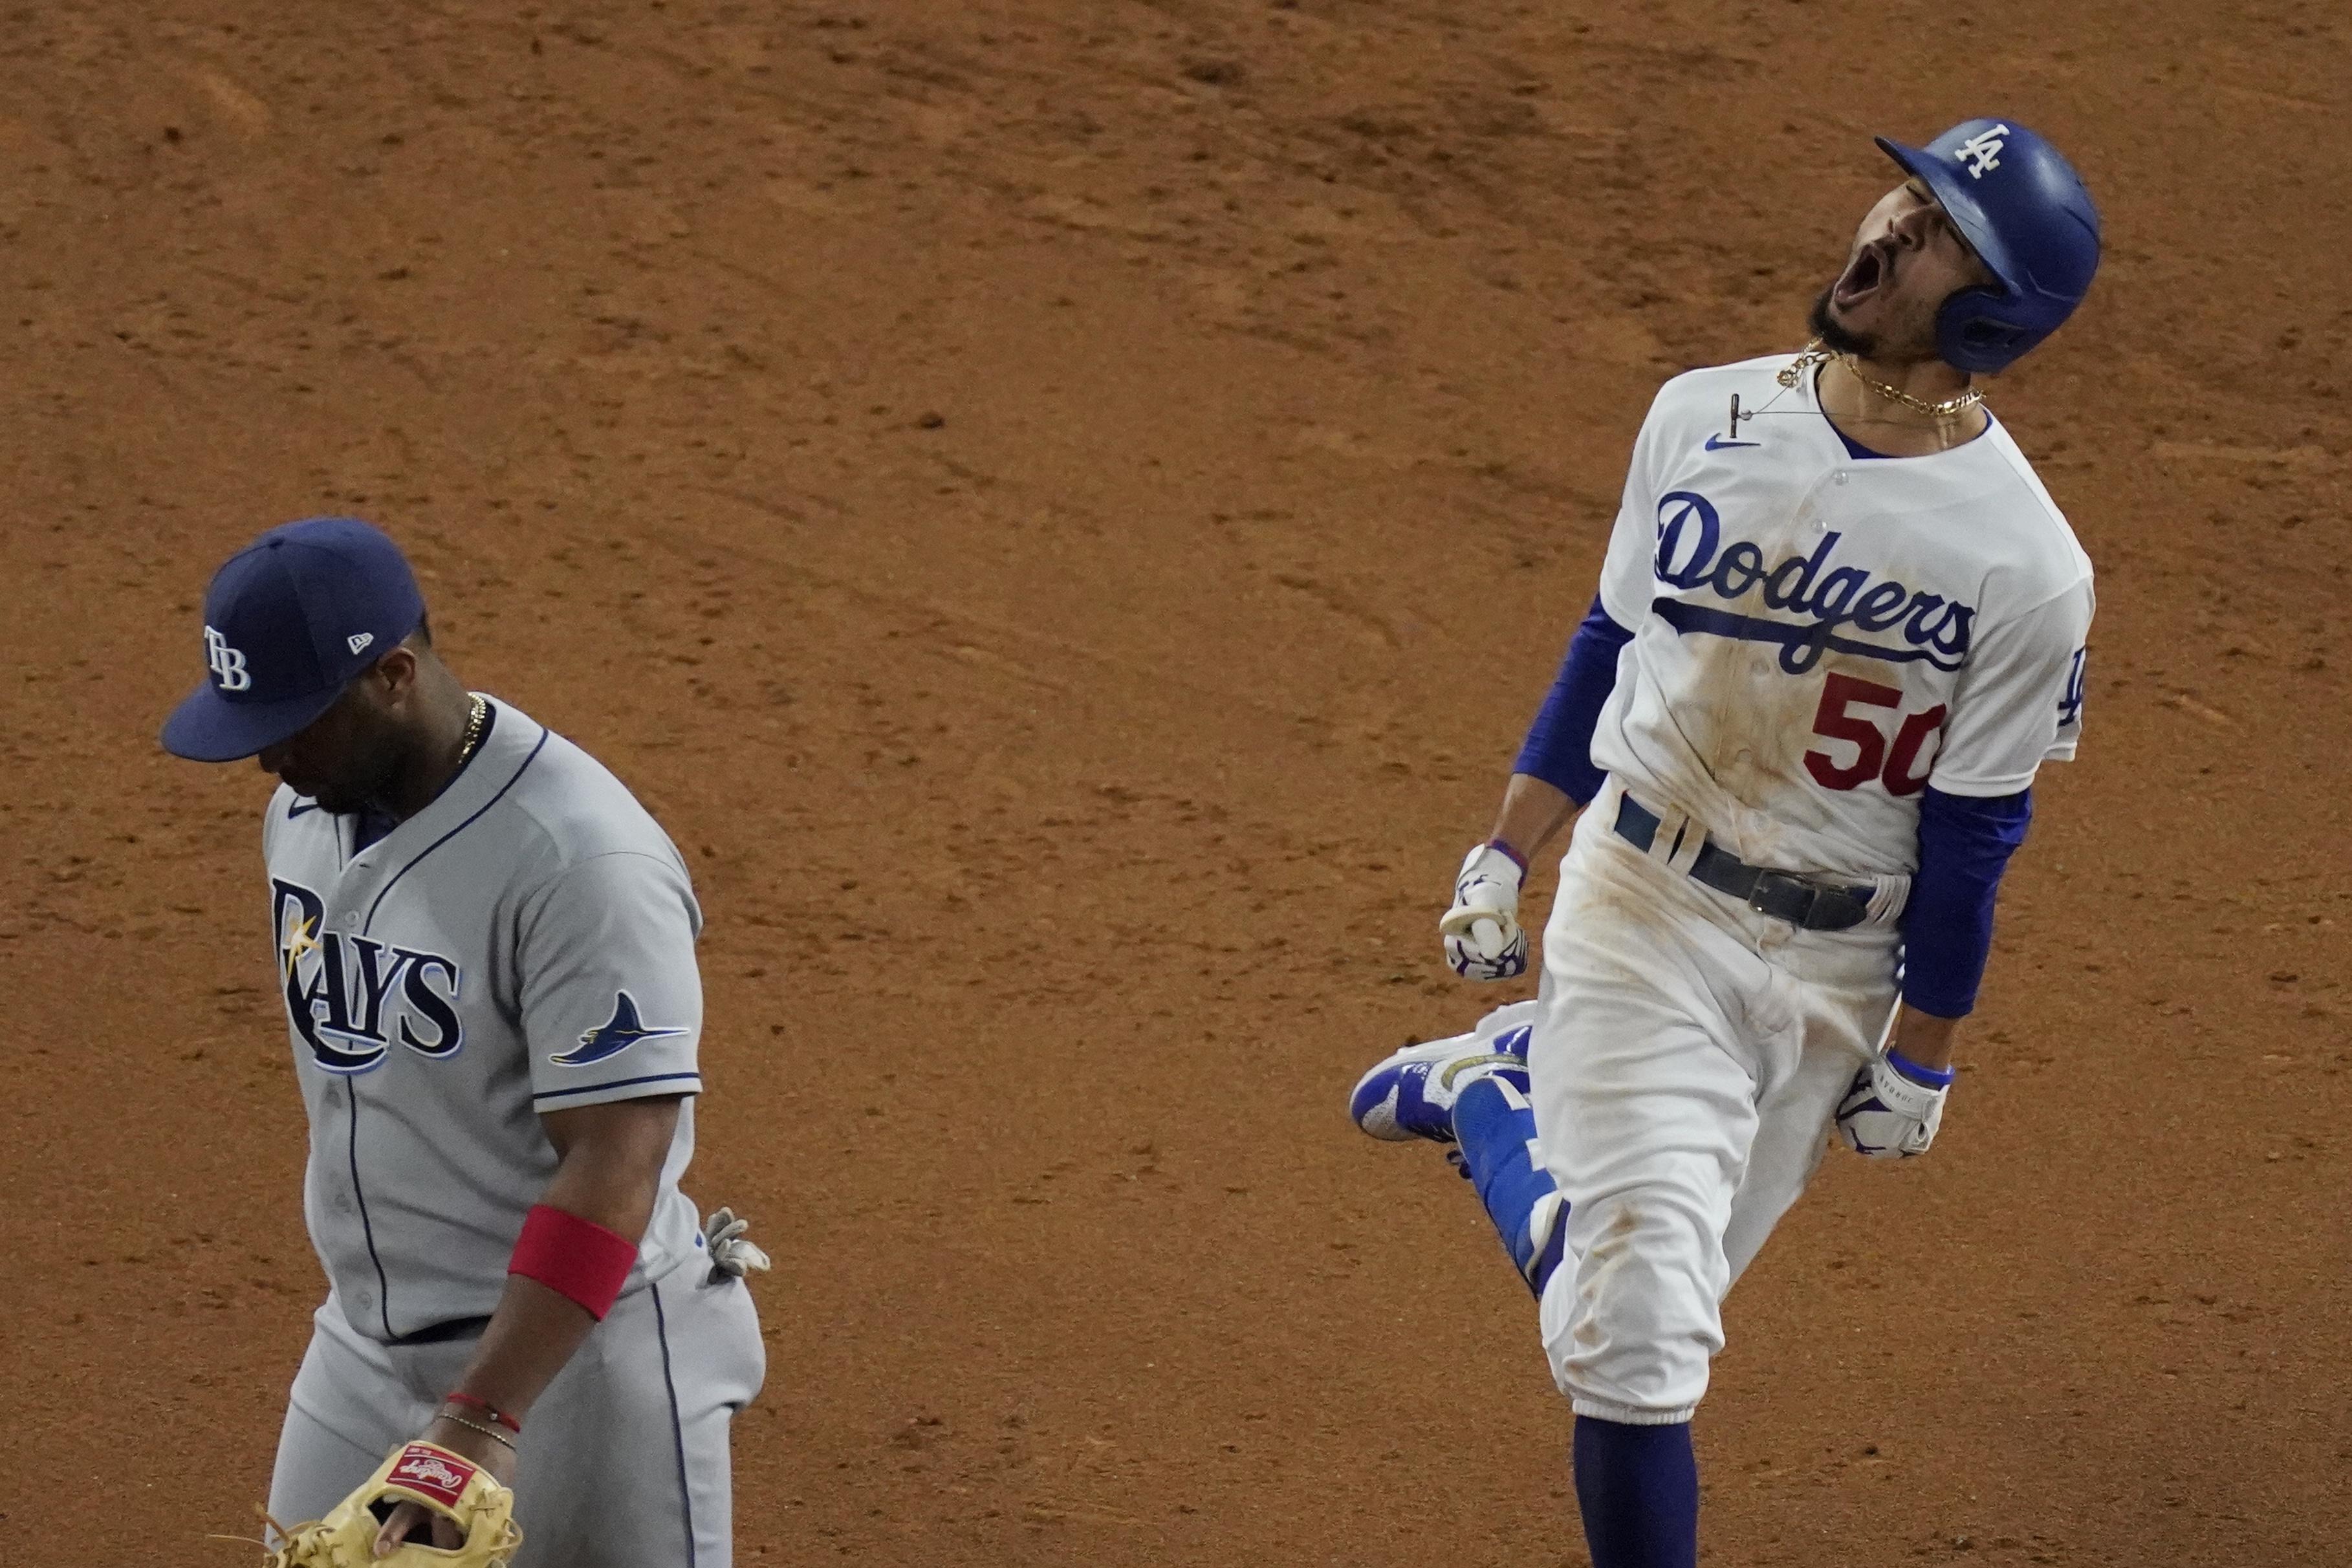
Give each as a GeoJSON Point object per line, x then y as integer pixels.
{"type": "Point", "coordinates": [1717, 443]}
{"type": "Point", "coordinates": [298, 807]}
{"type": "Point", "coordinates": [1456, 1069]}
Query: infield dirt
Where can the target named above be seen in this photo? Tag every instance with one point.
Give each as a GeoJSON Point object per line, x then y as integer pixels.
{"type": "Point", "coordinates": [1064, 511]}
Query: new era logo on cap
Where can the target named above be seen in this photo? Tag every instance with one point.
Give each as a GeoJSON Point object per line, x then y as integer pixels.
{"type": "Point", "coordinates": [289, 622]}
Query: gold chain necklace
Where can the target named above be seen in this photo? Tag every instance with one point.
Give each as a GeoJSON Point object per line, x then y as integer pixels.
{"type": "Point", "coordinates": [1816, 353]}
{"type": "Point", "coordinates": [473, 729]}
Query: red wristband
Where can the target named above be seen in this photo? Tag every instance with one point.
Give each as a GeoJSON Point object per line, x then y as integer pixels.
{"type": "Point", "coordinates": [575, 1258]}
{"type": "Point", "coordinates": [487, 1408]}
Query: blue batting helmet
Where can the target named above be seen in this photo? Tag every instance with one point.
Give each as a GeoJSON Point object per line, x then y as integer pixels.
{"type": "Point", "coordinates": [2023, 210]}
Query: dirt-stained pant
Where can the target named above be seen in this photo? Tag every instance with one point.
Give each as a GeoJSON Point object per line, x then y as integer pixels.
{"type": "Point", "coordinates": [624, 1462]}
{"type": "Point", "coordinates": [1685, 1069]}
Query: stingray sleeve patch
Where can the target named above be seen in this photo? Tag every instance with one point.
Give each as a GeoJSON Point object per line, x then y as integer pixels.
{"type": "Point", "coordinates": [614, 1035]}
{"type": "Point", "coordinates": [429, 1472]}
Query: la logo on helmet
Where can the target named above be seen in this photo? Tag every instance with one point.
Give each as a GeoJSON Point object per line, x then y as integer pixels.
{"type": "Point", "coordinates": [228, 664]}
{"type": "Point", "coordinates": [1983, 151]}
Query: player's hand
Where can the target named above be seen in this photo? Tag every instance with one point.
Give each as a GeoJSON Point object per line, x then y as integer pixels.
{"type": "Point", "coordinates": [429, 1529]}
{"type": "Point", "coordinates": [1483, 937]}
{"type": "Point", "coordinates": [1891, 1114]}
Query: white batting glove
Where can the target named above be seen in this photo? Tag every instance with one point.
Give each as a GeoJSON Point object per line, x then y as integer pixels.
{"type": "Point", "coordinates": [730, 1254]}
{"type": "Point", "coordinates": [1888, 1114]}
{"type": "Point", "coordinates": [1483, 937]}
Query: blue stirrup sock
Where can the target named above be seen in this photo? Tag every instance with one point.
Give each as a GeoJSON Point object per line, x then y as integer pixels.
{"type": "Point", "coordinates": [1638, 1489]}
{"type": "Point", "coordinates": [1495, 1130]}
{"type": "Point", "coordinates": [1636, 1485]}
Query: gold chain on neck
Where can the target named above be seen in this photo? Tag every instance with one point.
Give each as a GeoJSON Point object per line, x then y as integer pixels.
{"type": "Point", "coordinates": [473, 729]}
{"type": "Point", "coordinates": [1817, 352]}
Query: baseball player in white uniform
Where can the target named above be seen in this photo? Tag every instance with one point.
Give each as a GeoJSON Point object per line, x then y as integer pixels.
{"type": "Point", "coordinates": [485, 947]}
{"type": "Point", "coordinates": [1839, 626]}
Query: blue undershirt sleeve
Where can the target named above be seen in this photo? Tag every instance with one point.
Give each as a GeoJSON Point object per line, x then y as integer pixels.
{"type": "Point", "coordinates": [1559, 748]}
{"type": "Point", "coordinates": [1965, 842]}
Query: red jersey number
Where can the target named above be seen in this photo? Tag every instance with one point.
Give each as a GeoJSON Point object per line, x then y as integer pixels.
{"type": "Point", "coordinates": [1836, 720]}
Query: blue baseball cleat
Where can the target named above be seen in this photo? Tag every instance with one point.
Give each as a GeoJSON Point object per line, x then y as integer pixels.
{"type": "Point", "coordinates": [1411, 1095]}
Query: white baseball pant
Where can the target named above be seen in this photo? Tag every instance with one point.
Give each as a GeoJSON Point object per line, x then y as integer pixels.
{"type": "Point", "coordinates": [1685, 1069]}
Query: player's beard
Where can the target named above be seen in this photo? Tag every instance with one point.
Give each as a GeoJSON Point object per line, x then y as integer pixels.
{"type": "Point", "coordinates": [1843, 340]}
{"type": "Point", "coordinates": [366, 774]}
{"type": "Point", "coordinates": [344, 798]}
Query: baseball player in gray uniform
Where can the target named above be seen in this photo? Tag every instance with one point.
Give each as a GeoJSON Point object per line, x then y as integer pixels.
{"type": "Point", "coordinates": [486, 947]}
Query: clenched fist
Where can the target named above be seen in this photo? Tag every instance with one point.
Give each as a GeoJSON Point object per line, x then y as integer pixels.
{"type": "Point", "coordinates": [1889, 1113]}
{"type": "Point", "coordinates": [1483, 937]}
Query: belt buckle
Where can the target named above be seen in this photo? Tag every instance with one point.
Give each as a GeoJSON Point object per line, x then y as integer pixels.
{"type": "Point", "coordinates": [1802, 890]}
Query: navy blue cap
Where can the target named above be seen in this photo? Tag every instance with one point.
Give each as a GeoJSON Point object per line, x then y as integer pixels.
{"type": "Point", "coordinates": [289, 621]}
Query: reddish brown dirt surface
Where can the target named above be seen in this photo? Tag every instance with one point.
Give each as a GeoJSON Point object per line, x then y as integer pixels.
{"type": "Point", "coordinates": [1064, 511]}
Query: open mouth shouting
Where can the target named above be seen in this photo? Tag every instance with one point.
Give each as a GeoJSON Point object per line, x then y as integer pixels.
{"type": "Point", "coordinates": [1871, 269]}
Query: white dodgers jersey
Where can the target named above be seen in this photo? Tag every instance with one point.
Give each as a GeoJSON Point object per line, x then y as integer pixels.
{"type": "Point", "coordinates": [1819, 636]}
{"type": "Point", "coordinates": [524, 944]}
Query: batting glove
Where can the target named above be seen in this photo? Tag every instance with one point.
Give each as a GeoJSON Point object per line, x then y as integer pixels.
{"type": "Point", "coordinates": [1483, 937]}
{"type": "Point", "coordinates": [733, 1255]}
{"type": "Point", "coordinates": [1894, 1108]}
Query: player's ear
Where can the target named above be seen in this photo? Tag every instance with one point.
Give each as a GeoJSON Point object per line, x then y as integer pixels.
{"type": "Point", "coordinates": [393, 679]}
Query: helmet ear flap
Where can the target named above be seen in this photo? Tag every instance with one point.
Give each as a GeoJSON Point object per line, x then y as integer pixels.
{"type": "Point", "coordinates": [1973, 335]}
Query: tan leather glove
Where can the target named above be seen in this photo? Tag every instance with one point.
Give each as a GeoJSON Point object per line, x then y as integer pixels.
{"type": "Point", "coordinates": [422, 1473]}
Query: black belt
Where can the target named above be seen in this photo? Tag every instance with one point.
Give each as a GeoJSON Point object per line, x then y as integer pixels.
{"type": "Point", "coordinates": [1802, 901]}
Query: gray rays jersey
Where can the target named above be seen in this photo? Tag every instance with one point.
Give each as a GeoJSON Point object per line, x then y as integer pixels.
{"type": "Point", "coordinates": [524, 944]}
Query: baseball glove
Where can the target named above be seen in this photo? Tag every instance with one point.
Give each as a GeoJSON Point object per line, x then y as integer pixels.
{"type": "Point", "coordinates": [422, 1473]}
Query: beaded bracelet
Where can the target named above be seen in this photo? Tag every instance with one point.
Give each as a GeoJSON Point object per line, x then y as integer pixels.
{"type": "Point", "coordinates": [487, 1408]}
{"type": "Point", "coordinates": [492, 1432]}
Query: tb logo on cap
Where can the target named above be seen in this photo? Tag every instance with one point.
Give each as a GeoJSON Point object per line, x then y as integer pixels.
{"type": "Point", "coordinates": [228, 664]}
